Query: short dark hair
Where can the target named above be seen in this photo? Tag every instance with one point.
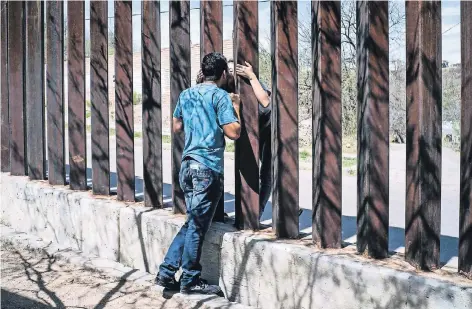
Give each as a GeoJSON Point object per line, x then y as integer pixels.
{"type": "Point", "coordinates": [213, 66]}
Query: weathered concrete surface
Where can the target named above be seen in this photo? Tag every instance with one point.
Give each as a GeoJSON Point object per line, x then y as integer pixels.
{"type": "Point", "coordinates": [253, 269]}
{"type": "Point", "coordinates": [272, 273]}
{"type": "Point", "coordinates": [68, 278]}
{"type": "Point", "coordinates": [73, 219]}
{"type": "Point", "coordinates": [145, 235]}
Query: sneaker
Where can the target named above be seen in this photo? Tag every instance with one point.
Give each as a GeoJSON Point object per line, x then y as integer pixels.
{"type": "Point", "coordinates": [168, 284]}
{"type": "Point", "coordinates": [201, 287]}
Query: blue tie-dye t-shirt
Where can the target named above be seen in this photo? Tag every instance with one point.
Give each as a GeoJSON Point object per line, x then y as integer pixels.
{"type": "Point", "coordinates": [204, 109]}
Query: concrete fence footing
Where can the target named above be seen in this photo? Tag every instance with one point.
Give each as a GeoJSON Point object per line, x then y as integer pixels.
{"type": "Point", "coordinates": [252, 268]}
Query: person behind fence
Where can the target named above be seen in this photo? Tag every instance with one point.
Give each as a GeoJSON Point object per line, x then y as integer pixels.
{"type": "Point", "coordinates": [205, 113]}
{"type": "Point", "coordinates": [263, 94]}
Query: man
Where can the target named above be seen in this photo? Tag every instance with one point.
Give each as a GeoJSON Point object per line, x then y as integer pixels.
{"type": "Point", "coordinates": [206, 114]}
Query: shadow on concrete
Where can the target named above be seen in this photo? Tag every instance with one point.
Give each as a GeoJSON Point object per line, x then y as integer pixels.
{"type": "Point", "coordinates": [14, 301]}
{"type": "Point", "coordinates": [448, 244]}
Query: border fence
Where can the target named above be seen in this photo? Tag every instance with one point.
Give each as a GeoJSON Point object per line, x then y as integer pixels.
{"type": "Point", "coordinates": [29, 126]}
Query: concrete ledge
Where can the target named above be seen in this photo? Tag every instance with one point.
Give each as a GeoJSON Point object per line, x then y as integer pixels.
{"type": "Point", "coordinates": [109, 268]}
{"type": "Point", "coordinates": [253, 269]}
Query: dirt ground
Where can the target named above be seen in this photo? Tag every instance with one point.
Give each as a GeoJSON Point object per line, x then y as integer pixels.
{"type": "Point", "coordinates": [34, 280]}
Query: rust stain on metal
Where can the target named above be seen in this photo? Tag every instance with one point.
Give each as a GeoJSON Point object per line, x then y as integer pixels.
{"type": "Point", "coordinates": [78, 159]}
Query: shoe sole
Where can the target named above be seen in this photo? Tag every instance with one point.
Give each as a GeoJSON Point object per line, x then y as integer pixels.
{"type": "Point", "coordinates": [201, 293]}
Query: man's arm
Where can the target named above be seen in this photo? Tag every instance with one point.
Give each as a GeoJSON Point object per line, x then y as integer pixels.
{"type": "Point", "coordinates": [247, 72]}
{"type": "Point", "coordinates": [233, 130]}
{"type": "Point", "coordinates": [177, 125]}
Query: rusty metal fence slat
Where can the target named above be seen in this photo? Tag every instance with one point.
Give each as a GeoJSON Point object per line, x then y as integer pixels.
{"type": "Point", "coordinates": [124, 101]}
{"type": "Point", "coordinates": [179, 19]}
{"type": "Point", "coordinates": [285, 198]}
{"type": "Point", "coordinates": [16, 70]}
{"type": "Point", "coordinates": [247, 146]}
{"type": "Point", "coordinates": [99, 97]}
{"type": "Point", "coordinates": [211, 40]}
{"type": "Point", "coordinates": [152, 104]}
{"type": "Point", "coordinates": [372, 127]}
{"type": "Point", "coordinates": [4, 108]}
{"type": "Point", "coordinates": [465, 219]}
{"type": "Point", "coordinates": [327, 177]}
{"type": "Point", "coordinates": [76, 95]}
{"type": "Point", "coordinates": [211, 29]}
{"type": "Point", "coordinates": [35, 89]}
{"type": "Point", "coordinates": [55, 92]}
{"type": "Point", "coordinates": [423, 133]}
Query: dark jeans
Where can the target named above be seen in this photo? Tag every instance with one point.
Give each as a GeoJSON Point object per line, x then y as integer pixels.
{"type": "Point", "coordinates": [203, 188]}
{"type": "Point", "coordinates": [265, 156]}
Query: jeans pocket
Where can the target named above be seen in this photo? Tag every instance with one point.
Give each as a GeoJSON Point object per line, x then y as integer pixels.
{"type": "Point", "coordinates": [202, 179]}
{"type": "Point", "coordinates": [184, 178]}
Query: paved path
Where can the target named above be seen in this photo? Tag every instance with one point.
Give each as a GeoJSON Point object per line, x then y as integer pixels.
{"type": "Point", "coordinates": [449, 196]}
{"type": "Point", "coordinates": [37, 281]}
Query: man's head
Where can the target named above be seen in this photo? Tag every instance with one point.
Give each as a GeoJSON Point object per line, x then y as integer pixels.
{"type": "Point", "coordinates": [215, 67]}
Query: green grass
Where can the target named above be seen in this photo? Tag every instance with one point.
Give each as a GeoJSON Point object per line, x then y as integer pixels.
{"type": "Point", "coordinates": [349, 162]}
{"type": "Point", "coordinates": [304, 155]}
{"type": "Point", "coordinates": [229, 147]}
{"type": "Point", "coordinates": [166, 139]}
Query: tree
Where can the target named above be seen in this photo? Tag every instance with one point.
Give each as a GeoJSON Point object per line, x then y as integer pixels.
{"type": "Point", "coordinates": [348, 73]}
{"type": "Point", "coordinates": [397, 101]}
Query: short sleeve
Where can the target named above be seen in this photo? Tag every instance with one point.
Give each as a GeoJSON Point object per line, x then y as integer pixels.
{"type": "Point", "coordinates": [266, 89]}
{"type": "Point", "coordinates": [267, 109]}
{"type": "Point", "coordinates": [225, 110]}
{"type": "Point", "coordinates": [178, 110]}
